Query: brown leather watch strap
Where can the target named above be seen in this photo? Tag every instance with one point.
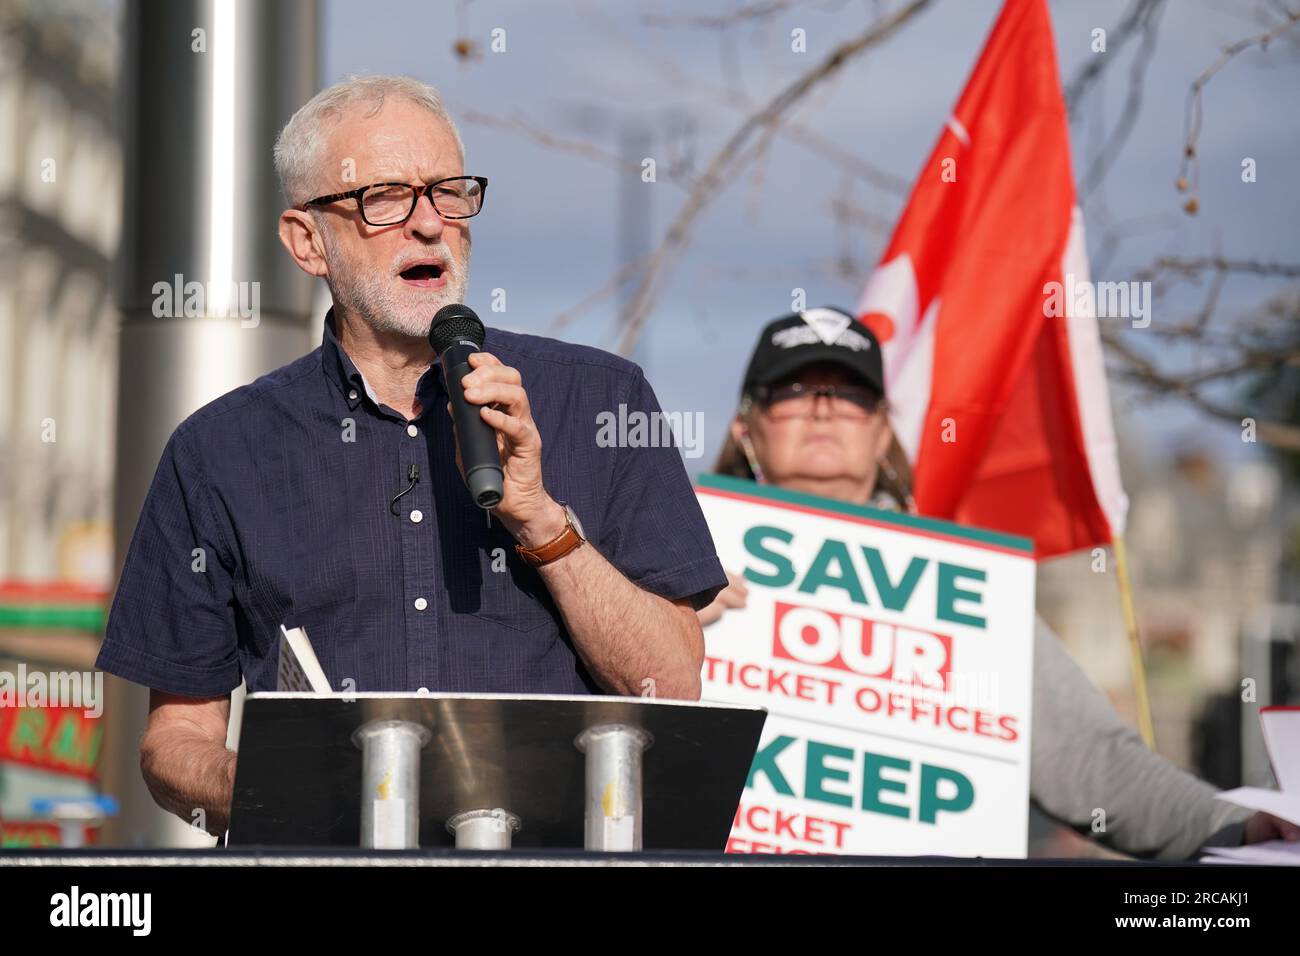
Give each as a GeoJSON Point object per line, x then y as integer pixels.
{"type": "Point", "coordinates": [554, 549]}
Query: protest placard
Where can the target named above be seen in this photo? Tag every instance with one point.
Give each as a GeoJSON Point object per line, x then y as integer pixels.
{"type": "Point", "coordinates": [894, 655]}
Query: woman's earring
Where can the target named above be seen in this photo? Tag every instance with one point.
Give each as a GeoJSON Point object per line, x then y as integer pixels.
{"type": "Point", "coordinates": [749, 456]}
{"type": "Point", "coordinates": [887, 467]}
{"type": "Point", "coordinates": [884, 465]}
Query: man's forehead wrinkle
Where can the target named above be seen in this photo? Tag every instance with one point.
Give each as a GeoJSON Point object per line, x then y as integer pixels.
{"type": "Point", "coordinates": [394, 155]}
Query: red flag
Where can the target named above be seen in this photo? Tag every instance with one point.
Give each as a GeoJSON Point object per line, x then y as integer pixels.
{"type": "Point", "coordinates": [1002, 401]}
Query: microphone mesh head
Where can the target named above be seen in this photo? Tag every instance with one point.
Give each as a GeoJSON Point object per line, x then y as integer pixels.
{"type": "Point", "coordinates": [456, 321]}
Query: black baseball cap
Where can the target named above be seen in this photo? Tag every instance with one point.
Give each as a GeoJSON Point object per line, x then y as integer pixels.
{"type": "Point", "coordinates": [825, 334]}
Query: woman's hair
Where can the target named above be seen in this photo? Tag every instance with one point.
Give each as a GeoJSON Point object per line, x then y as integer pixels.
{"type": "Point", "coordinates": [893, 478]}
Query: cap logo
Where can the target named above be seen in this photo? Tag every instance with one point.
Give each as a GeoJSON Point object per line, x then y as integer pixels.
{"type": "Point", "coordinates": [824, 325]}
{"type": "Point", "coordinates": [827, 323]}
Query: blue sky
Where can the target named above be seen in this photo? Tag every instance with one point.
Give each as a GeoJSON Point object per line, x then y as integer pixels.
{"type": "Point", "coordinates": [550, 232]}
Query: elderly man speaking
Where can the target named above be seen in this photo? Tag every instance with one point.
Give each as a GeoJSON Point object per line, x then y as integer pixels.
{"type": "Point", "coordinates": [328, 493]}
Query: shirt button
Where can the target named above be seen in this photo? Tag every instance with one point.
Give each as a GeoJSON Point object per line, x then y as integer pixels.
{"type": "Point", "coordinates": [352, 394]}
{"type": "Point", "coordinates": [421, 604]}
{"type": "Point", "coordinates": [412, 430]}
{"type": "Point", "coordinates": [417, 515]}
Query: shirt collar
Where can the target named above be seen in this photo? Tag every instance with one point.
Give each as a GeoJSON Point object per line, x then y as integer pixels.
{"type": "Point", "coordinates": [343, 372]}
{"type": "Point", "coordinates": [339, 368]}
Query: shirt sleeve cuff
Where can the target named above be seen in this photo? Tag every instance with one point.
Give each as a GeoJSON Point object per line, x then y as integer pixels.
{"type": "Point", "coordinates": [184, 680]}
{"type": "Point", "coordinates": [700, 581]}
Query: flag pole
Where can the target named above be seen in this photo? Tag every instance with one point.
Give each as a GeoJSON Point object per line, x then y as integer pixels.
{"type": "Point", "coordinates": [1134, 643]}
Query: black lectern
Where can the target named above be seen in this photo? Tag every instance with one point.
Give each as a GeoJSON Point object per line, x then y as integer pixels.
{"type": "Point", "coordinates": [489, 771]}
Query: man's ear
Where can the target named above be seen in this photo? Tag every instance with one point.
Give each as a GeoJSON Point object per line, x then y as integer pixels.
{"type": "Point", "coordinates": [299, 237]}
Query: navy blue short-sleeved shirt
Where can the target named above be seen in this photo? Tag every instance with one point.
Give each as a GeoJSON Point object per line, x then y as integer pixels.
{"type": "Point", "coordinates": [271, 505]}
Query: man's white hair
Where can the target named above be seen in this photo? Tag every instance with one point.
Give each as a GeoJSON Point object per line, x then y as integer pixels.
{"type": "Point", "coordinates": [300, 145]}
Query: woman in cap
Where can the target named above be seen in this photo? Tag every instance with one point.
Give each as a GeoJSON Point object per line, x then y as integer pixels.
{"type": "Point", "coordinates": [813, 418]}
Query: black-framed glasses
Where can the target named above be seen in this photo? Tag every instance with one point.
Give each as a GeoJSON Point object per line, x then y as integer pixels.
{"type": "Point", "coordinates": [387, 204]}
{"type": "Point", "coordinates": [796, 400]}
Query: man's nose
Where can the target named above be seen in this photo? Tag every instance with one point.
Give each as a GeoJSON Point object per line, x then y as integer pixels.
{"type": "Point", "coordinates": [424, 220]}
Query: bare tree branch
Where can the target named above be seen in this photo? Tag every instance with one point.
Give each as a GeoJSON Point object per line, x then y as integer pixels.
{"type": "Point", "coordinates": [799, 134]}
{"type": "Point", "coordinates": [1189, 167]}
{"type": "Point", "coordinates": [710, 182]}
{"type": "Point", "coordinates": [622, 274]}
{"type": "Point", "coordinates": [1196, 265]}
{"type": "Point", "coordinates": [1202, 359]}
{"type": "Point", "coordinates": [1116, 38]}
{"type": "Point", "coordinates": [1110, 149]}
{"type": "Point", "coordinates": [1144, 372]}
{"type": "Point", "coordinates": [752, 12]}
{"type": "Point", "coordinates": [1113, 234]}
{"type": "Point", "coordinates": [576, 147]}
{"type": "Point", "coordinates": [1256, 343]}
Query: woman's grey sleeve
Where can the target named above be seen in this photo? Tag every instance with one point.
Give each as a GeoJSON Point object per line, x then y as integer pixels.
{"type": "Point", "coordinates": [1084, 759]}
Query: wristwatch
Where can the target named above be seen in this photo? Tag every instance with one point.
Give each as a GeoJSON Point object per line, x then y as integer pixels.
{"type": "Point", "coordinates": [553, 550]}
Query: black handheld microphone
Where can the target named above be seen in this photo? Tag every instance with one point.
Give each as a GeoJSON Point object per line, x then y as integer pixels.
{"type": "Point", "coordinates": [455, 334]}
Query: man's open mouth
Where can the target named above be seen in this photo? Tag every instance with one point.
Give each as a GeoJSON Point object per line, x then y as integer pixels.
{"type": "Point", "coordinates": [423, 274]}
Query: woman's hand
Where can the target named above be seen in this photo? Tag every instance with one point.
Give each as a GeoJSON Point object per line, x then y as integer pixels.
{"type": "Point", "coordinates": [1260, 826]}
{"type": "Point", "coordinates": [733, 595]}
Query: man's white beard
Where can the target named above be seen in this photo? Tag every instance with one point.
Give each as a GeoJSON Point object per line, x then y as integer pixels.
{"type": "Point", "coordinates": [385, 304]}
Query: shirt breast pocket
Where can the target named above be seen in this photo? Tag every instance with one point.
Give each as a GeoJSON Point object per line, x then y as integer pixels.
{"type": "Point", "coordinates": [508, 592]}
{"type": "Point", "coordinates": [323, 596]}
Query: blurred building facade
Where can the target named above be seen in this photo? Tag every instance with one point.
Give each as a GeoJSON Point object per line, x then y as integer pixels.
{"type": "Point", "coordinates": [60, 214]}
{"type": "Point", "coordinates": [1205, 540]}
